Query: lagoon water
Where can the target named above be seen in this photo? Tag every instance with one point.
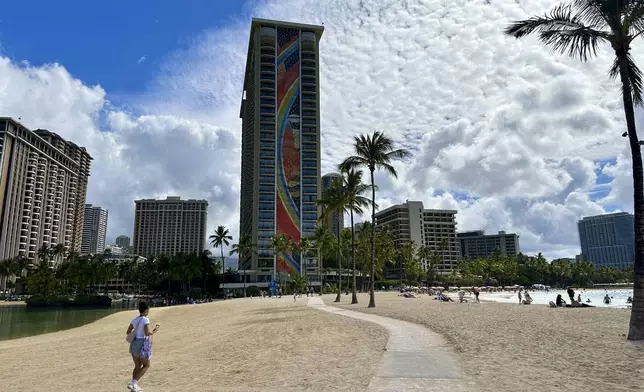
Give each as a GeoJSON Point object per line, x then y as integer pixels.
{"type": "Point", "coordinates": [19, 321]}
{"type": "Point", "coordinates": [596, 297]}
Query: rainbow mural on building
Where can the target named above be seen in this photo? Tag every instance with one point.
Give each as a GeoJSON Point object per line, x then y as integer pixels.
{"type": "Point", "coordinates": [288, 182]}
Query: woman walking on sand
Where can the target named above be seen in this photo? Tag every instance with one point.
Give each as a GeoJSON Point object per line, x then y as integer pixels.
{"type": "Point", "coordinates": [141, 345]}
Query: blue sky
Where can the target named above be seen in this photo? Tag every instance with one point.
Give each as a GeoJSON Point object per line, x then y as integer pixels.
{"type": "Point", "coordinates": [102, 42]}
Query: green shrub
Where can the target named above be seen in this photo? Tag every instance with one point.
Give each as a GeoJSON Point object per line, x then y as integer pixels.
{"type": "Point", "coordinates": [253, 291]}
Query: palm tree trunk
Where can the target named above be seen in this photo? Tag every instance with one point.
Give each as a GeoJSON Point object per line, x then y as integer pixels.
{"type": "Point", "coordinates": [636, 327]}
{"type": "Point", "coordinates": [338, 297]}
{"type": "Point", "coordinates": [372, 278]}
{"type": "Point", "coordinates": [320, 270]}
{"type": "Point", "coordinates": [244, 276]}
{"type": "Point", "coordinates": [354, 296]}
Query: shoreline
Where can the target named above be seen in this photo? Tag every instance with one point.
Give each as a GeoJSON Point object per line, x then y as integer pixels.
{"type": "Point", "coordinates": [12, 303]}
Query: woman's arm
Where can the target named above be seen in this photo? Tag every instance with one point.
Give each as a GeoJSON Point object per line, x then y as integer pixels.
{"type": "Point", "coordinates": [129, 329]}
{"type": "Point", "coordinates": [148, 331]}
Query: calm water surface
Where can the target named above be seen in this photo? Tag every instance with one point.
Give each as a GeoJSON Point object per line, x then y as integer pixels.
{"type": "Point", "coordinates": [16, 321]}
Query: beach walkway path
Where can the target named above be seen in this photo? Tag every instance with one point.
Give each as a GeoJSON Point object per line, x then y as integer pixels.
{"type": "Point", "coordinates": [415, 359]}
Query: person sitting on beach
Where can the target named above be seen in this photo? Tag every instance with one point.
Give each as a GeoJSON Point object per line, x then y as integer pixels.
{"type": "Point", "coordinates": [528, 299]}
{"type": "Point", "coordinates": [141, 346]}
{"type": "Point", "coordinates": [461, 296]}
{"type": "Point", "coordinates": [560, 301]}
{"type": "Point", "coordinates": [629, 300]}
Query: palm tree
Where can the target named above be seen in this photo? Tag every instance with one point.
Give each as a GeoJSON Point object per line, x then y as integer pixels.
{"type": "Point", "coordinates": [577, 29]}
{"type": "Point", "coordinates": [323, 239]}
{"type": "Point", "coordinates": [374, 152]}
{"type": "Point", "coordinates": [334, 200]}
{"type": "Point", "coordinates": [281, 244]}
{"type": "Point", "coordinates": [244, 248]}
{"type": "Point", "coordinates": [303, 247]}
{"type": "Point", "coordinates": [220, 239]}
{"type": "Point", "coordinates": [354, 188]}
{"type": "Point", "coordinates": [6, 270]}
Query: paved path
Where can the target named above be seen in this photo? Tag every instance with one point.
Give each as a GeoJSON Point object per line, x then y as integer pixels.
{"type": "Point", "coordinates": [416, 359]}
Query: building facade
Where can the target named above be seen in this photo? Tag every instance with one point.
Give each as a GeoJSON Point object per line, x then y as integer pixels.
{"type": "Point", "coordinates": [335, 221]}
{"type": "Point", "coordinates": [169, 226]}
{"type": "Point", "coordinates": [608, 240]}
{"type": "Point", "coordinates": [280, 167]}
{"type": "Point", "coordinates": [434, 229]}
{"type": "Point", "coordinates": [477, 244]}
{"type": "Point", "coordinates": [94, 230]}
{"type": "Point", "coordinates": [123, 241]}
{"type": "Point", "coordinates": [43, 187]}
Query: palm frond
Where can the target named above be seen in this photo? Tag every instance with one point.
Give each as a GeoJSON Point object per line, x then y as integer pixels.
{"type": "Point", "coordinates": [599, 14]}
{"type": "Point", "coordinates": [634, 20]}
{"type": "Point", "coordinates": [562, 31]}
{"type": "Point", "coordinates": [634, 78]}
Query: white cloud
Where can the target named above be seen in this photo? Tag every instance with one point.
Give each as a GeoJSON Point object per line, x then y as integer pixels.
{"type": "Point", "coordinates": [510, 125]}
{"type": "Point", "coordinates": [141, 59]}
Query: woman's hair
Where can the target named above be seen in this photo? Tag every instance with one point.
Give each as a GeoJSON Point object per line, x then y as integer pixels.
{"type": "Point", "coordinates": [143, 307]}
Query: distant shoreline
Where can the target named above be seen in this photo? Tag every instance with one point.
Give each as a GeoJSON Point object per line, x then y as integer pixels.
{"type": "Point", "coordinates": [12, 303]}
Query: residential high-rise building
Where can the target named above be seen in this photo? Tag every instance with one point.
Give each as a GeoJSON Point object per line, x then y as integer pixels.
{"type": "Point", "coordinates": [43, 186]}
{"type": "Point", "coordinates": [608, 240]}
{"type": "Point", "coordinates": [123, 241]}
{"type": "Point", "coordinates": [335, 221]}
{"type": "Point", "coordinates": [280, 163]}
{"type": "Point", "coordinates": [434, 229]}
{"type": "Point", "coordinates": [476, 244]}
{"type": "Point", "coordinates": [169, 226]}
{"type": "Point", "coordinates": [94, 230]}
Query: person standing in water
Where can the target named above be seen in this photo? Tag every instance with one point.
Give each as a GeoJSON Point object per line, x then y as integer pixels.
{"type": "Point", "coordinates": [141, 346]}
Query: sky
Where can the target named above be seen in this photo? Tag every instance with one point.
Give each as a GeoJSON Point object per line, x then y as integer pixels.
{"type": "Point", "coordinates": [513, 136]}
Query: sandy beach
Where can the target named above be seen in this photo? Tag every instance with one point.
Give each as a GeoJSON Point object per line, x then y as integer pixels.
{"type": "Point", "coordinates": [239, 345]}
{"type": "Point", "coordinates": [511, 347]}
{"type": "Point", "coordinates": [12, 303]}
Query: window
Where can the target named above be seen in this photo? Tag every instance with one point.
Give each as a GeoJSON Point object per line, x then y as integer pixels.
{"type": "Point", "coordinates": [266, 188]}
{"type": "Point", "coordinates": [310, 189]}
{"type": "Point", "coordinates": [309, 172]}
{"type": "Point", "coordinates": [267, 197]}
{"type": "Point", "coordinates": [308, 146]}
{"type": "Point", "coordinates": [309, 198]}
{"type": "Point", "coordinates": [309, 180]}
{"type": "Point", "coordinates": [266, 118]}
{"type": "Point", "coordinates": [309, 163]}
{"type": "Point", "coordinates": [309, 155]}
{"type": "Point", "coordinates": [309, 207]}
{"type": "Point", "coordinates": [308, 226]}
{"type": "Point", "coordinates": [267, 162]}
{"type": "Point", "coordinates": [309, 138]}
{"type": "Point", "coordinates": [310, 217]}
{"type": "Point", "coordinates": [265, 225]}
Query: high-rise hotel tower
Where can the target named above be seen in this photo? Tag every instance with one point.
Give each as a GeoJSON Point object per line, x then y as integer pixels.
{"type": "Point", "coordinates": [43, 186]}
{"type": "Point", "coordinates": [280, 168]}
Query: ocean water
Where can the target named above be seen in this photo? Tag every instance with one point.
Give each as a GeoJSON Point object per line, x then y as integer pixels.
{"type": "Point", "coordinates": [596, 297]}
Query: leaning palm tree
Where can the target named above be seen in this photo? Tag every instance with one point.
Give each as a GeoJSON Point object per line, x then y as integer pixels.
{"type": "Point", "coordinates": [374, 152]}
{"type": "Point", "coordinates": [576, 29]}
{"type": "Point", "coordinates": [220, 239]}
{"type": "Point", "coordinates": [243, 248]}
{"type": "Point", "coordinates": [355, 202]}
{"type": "Point", "coordinates": [335, 200]}
{"type": "Point", "coordinates": [323, 240]}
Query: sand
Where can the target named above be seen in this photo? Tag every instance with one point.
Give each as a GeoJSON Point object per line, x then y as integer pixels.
{"type": "Point", "coordinates": [506, 347]}
{"type": "Point", "coordinates": [12, 303]}
{"type": "Point", "coordinates": [239, 345]}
